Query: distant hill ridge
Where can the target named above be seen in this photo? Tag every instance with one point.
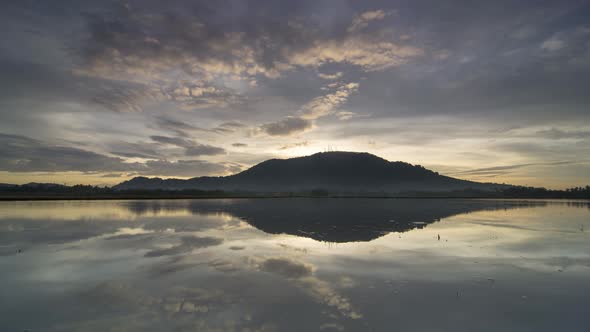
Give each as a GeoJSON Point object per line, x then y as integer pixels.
{"type": "Point", "coordinates": [347, 172]}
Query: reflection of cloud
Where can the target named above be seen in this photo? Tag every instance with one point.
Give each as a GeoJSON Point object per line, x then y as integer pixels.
{"type": "Point", "coordinates": [301, 274]}
{"type": "Point", "coordinates": [323, 292]}
{"type": "Point", "coordinates": [118, 294]}
{"type": "Point", "coordinates": [286, 267]}
{"type": "Point", "coordinates": [224, 266]}
{"type": "Point", "coordinates": [129, 236]}
{"type": "Point", "coordinates": [180, 308]}
{"type": "Point", "coordinates": [182, 224]}
{"type": "Point", "coordinates": [27, 232]}
{"type": "Point", "coordinates": [188, 244]}
{"type": "Point", "coordinates": [346, 282]}
{"type": "Point", "coordinates": [171, 265]}
{"type": "Point", "coordinates": [292, 248]}
{"type": "Point", "coordinates": [331, 327]}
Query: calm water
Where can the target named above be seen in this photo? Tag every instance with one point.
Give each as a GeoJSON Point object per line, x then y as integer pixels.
{"type": "Point", "coordinates": [295, 265]}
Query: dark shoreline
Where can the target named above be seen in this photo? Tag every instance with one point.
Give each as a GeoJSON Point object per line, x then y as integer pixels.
{"type": "Point", "coordinates": [174, 197]}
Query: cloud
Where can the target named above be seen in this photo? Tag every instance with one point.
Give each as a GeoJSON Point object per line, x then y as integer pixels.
{"type": "Point", "coordinates": [347, 115]}
{"type": "Point", "coordinates": [368, 53]}
{"type": "Point", "coordinates": [199, 95]}
{"type": "Point", "coordinates": [555, 133]}
{"type": "Point", "coordinates": [119, 95]}
{"type": "Point", "coordinates": [539, 150]}
{"type": "Point", "coordinates": [179, 127]}
{"type": "Point", "coordinates": [523, 32]}
{"type": "Point", "coordinates": [552, 44]}
{"type": "Point", "coordinates": [23, 154]}
{"type": "Point", "coordinates": [314, 109]}
{"type": "Point", "coordinates": [85, 73]}
{"type": "Point", "coordinates": [333, 76]}
{"type": "Point", "coordinates": [192, 148]}
{"type": "Point", "coordinates": [204, 150]}
{"type": "Point", "coordinates": [135, 150]}
{"type": "Point", "coordinates": [185, 168]}
{"type": "Point", "coordinates": [499, 170]}
{"type": "Point", "coordinates": [150, 46]}
{"type": "Point", "coordinates": [324, 105]}
{"type": "Point", "coordinates": [181, 142]}
{"type": "Point", "coordinates": [228, 127]}
{"type": "Point", "coordinates": [362, 21]}
{"type": "Point", "coordinates": [133, 155]}
{"type": "Point", "coordinates": [112, 175]}
{"type": "Point", "coordinates": [232, 124]}
{"type": "Point", "coordinates": [46, 84]}
{"type": "Point", "coordinates": [294, 145]}
{"type": "Point", "coordinates": [288, 126]}
{"type": "Point", "coordinates": [182, 129]}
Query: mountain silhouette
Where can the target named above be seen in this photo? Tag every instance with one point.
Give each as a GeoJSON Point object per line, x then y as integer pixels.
{"type": "Point", "coordinates": [346, 172]}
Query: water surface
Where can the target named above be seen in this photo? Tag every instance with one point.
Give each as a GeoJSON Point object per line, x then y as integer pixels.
{"type": "Point", "coordinates": [295, 265]}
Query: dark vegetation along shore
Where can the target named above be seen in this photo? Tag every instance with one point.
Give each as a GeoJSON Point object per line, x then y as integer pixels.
{"type": "Point", "coordinates": [56, 192]}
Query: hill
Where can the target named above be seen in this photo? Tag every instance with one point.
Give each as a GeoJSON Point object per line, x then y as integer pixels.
{"type": "Point", "coordinates": [343, 172]}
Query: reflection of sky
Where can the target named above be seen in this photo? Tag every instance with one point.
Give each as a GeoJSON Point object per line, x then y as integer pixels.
{"type": "Point", "coordinates": [510, 269]}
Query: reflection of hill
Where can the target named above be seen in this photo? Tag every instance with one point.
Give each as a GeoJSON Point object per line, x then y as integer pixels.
{"type": "Point", "coordinates": [334, 220]}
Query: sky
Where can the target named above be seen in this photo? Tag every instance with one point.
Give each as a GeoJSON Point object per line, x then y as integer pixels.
{"type": "Point", "coordinates": [97, 92]}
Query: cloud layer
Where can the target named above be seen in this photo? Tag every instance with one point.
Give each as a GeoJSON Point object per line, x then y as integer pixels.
{"type": "Point", "coordinates": [194, 87]}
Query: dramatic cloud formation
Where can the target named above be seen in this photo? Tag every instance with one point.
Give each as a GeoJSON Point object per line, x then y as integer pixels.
{"type": "Point", "coordinates": [190, 88]}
